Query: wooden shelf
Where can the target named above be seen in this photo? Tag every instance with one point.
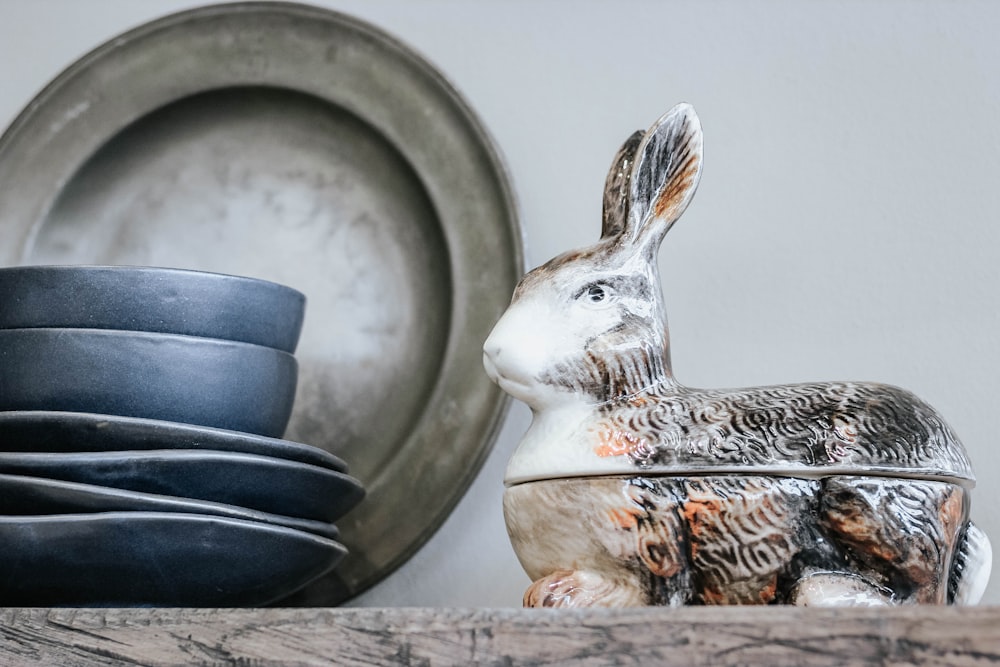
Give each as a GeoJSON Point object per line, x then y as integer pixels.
{"type": "Point", "coordinates": [772, 636]}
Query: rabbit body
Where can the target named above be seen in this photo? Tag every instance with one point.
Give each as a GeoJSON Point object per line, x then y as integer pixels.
{"type": "Point", "coordinates": [629, 488]}
{"type": "Point", "coordinates": [735, 539]}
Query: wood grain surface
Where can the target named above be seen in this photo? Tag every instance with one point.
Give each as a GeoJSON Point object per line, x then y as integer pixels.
{"type": "Point", "coordinates": [772, 636]}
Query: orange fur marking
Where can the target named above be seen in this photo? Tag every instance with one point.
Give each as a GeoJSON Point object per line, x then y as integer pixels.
{"type": "Point", "coordinates": [952, 514]}
{"type": "Point", "coordinates": [673, 194]}
{"type": "Point", "coordinates": [862, 532]}
{"type": "Point", "coordinates": [770, 589]}
{"type": "Point", "coordinates": [613, 442]}
{"type": "Point", "coordinates": [624, 517]}
{"type": "Point", "coordinates": [695, 513]}
{"type": "Point", "coordinates": [710, 596]}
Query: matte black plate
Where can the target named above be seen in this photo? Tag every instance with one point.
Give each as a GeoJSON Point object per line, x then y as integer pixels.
{"type": "Point", "coordinates": [154, 558]}
{"type": "Point", "coordinates": [256, 482]}
{"type": "Point", "coordinates": [21, 495]}
{"type": "Point", "coordinates": [43, 431]}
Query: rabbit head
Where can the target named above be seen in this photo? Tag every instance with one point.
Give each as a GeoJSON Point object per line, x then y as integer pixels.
{"type": "Point", "coordinates": [589, 324]}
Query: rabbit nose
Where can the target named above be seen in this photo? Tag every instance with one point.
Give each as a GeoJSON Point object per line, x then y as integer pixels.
{"type": "Point", "coordinates": [490, 354]}
{"type": "Point", "coordinates": [491, 347]}
{"type": "Point", "coordinates": [491, 350]}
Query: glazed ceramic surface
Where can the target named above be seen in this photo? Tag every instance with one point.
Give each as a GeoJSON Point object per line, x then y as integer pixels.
{"type": "Point", "coordinates": [131, 298]}
{"type": "Point", "coordinates": [631, 489]}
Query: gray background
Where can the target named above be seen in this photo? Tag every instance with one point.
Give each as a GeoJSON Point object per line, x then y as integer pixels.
{"type": "Point", "coordinates": [846, 226]}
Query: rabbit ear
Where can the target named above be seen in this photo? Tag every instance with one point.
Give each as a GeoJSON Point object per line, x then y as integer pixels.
{"type": "Point", "coordinates": [665, 175]}
{"type": "Point", "coordinates": [616, 188]}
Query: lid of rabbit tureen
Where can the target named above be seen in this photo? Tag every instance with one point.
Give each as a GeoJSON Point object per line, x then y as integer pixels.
{"type": "Point", "coordinates": [824, 429]}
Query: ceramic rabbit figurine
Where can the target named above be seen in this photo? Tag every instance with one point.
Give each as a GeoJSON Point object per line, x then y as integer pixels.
{"type": "Point", "coordinates": [631, 489]}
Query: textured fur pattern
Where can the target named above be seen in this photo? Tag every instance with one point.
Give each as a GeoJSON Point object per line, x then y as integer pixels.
{"type": "Point", "coordinates": [736, 539]}
{"type": "Point", "coordinates": [629, 488]}
{"type": "Point", "coordinates": [823, 425]}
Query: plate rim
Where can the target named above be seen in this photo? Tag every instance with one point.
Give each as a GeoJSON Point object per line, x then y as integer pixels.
{"type": "Point", "coordinates": [103, 464]}
{"type": "Point", "coordinates": [119, 521]}
{"type": "Point", "coordinates": [206, 507]}
{"type": "Point", "coordinates": [215, 435]}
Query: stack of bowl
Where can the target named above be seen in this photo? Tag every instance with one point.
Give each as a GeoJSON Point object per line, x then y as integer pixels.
{"type": "Point", "coordinates": [141, 411]}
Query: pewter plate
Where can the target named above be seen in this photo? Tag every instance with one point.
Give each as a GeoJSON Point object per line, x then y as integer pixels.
{"type": "Point", "coordinates": [302, 146]}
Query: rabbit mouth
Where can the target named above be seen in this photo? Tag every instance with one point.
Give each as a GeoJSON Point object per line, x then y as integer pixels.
{"type": "Point", "coordinates": [516, 388]}
{"type": "Point", "coordinates": [513, 387]}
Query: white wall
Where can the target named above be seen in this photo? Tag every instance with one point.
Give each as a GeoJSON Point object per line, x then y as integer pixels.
{"type": "Point", "coordinates": [846, 226]}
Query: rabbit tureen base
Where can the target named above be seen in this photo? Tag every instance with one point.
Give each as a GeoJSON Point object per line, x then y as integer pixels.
{"type": "Point", "coordinates": [630, 489]}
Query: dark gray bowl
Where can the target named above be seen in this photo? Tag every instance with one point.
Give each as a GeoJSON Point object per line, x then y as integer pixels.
{"type": "Point", "coordinates": [203, 381]}
{"type": "Point", "coordinates": [128, 298]}
{"type": "Point", "coordinates": [155, 558]}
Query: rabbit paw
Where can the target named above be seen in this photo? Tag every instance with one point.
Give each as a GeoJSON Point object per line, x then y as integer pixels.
{"type": "Point", "coordinates": [834, 589]}
{"type": "Point", "coordinates": [582, 588]}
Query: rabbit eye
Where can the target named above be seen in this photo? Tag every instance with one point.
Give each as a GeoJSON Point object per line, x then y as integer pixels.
{"type": "Point", "coordinates": [596, 294]}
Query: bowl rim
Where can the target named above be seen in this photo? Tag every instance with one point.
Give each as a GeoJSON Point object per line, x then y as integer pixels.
{"type": "Point", "coordinates": [142, 270]}
{"type": "Point", "coordinates": [189, 339]}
